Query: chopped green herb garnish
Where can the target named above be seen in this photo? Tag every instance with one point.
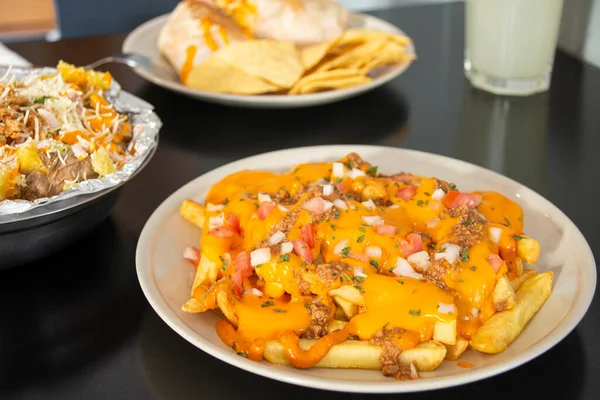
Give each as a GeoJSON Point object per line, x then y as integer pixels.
{"type": "Point", "coordinates": [385, 325]}
{"type": "Point", "coordinates": [360, 289]}
{"type": "Point", "coordinates": [308, 306]}
{"type": "Point", "coordinates": [304, 264]}
{"type": "Point", "coordinates": [372, 170]}
{"type": "Point", "coordinates": [442, 250]}
{"type": "Point", "coordinates": [360, 228]}
{"type": "Point", "coordinates": [517, 237]}
{"type": "Point", "coordinates": [346, 276]}
{"type": "Point", "coordinates": [507, 221]}
{"type": "Point", "coordinates": [226, 201]}
{"type": "Point", "coordinates": [464, 255]}
{"type": "Point", "coordinates": [473, 268]}
{"type": "Point", "coordinates": [225, 265]}
{"type": "Point", "coordinates": [452, 186]}
{"type": "Point", "coordinates": [41, 100]}
{"type": "Point", "coordinates": [332, 226]}
{"type": "Point", "coordinates": [268, 303]}
{"type": "Point", "coordinates": [209, 289]}
{"type": "Point", "coordinates": [336, 214]}
{"type": "Point", "coordinates": [345, 252]}
{"type": "Point", "coordinates": [420, 203]}
{"type": "Point", "coordinates": [338, 180]}
{"type": "Point", "coordinates": [242, 354]}
{"type": "Point", "coordinates": [360, 238]}
{"type": "Point", "coordinates": [258, 266]}
{"type": "Point", "coordinates": [460, 280]}
{"type": "Point", "coordinates": [284, 258]}
{"type": "Point", "coordinates": [415, 313]}
{"type": "Point", "coordinates": [374, 263]}
{"type": "Point", "coordinates": [427, 194]}
{"type": "Point", "coordinates": [359, 279]}
{"type": "Point", "coordinates": [468, 222]}
{"type": "Point", "coordinates": [333, 237]}
{"type": "Point", "coordinates": [315, 262]}
{"type": "Point", "coordinates": [341, 280]}
{"type": "Point", "coordinates": [400, 281]}
{"type": "Point", "coordinates": [396, 245]}
{"type": "Point", "coordinates": [279, 310]}
{"type": "Point", "coordinates": [295, 170]}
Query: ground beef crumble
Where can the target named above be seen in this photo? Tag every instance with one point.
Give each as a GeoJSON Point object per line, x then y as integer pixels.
{"type": "Point", "coordinates": [329, 273]}
{"type": "Point", "coordinates": [390, 352]}
{"type": "Point", "coordinates": [319, 314]}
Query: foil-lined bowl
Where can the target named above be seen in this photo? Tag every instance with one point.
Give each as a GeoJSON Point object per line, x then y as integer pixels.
{"type": "Point", "coordinates": [30, 230]}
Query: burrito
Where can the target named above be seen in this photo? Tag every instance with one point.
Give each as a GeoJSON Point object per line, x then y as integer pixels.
{"type": "Point", "coordinates": [193, 32]}
{"type": "Point", "coordinates": [302, 22]}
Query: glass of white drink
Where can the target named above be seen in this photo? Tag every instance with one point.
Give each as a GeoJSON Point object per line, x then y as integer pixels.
{"type": "Point", "coordinates": [510, 44]}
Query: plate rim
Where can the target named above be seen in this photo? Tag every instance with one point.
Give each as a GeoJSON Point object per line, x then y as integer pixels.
{"type": "Point", "coordinates": [581, 302]}
{"type": "Point", "coordinates": [268, 100]}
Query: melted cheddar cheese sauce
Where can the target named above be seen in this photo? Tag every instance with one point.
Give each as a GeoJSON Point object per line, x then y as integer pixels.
{"type": "Point", "coordinates": [276, 300]}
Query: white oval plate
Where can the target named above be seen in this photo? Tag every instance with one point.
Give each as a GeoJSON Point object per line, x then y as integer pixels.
{"type": "Point", "coordinates": [143, 39]}
{"type": "Point", "coordinates": [166, 278]}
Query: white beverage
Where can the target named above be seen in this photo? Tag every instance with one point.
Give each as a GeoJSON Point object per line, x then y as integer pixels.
{"type": "Point", "coordinates": [510, 44]}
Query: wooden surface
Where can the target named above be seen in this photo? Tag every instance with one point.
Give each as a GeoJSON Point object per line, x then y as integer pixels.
{"type": "Point", "coordinates": [26, 17]}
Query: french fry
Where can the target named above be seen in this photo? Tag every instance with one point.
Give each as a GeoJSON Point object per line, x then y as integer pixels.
{"type": "Point", "coordinates": [361, 354]}
{"type": "Point", "coordinates": [335, 325]}
{"type": "Point", "coordinates": [528, 249]}
{"type": "Point", "coordinates": [519, 266]}
{"type": "Point", "coordinates": [193, 212]}
{"type": "Point", "coordinates": [339, 314]}
{"type": "Point", "coordinates": [349, 309]}
{"type": "Point", "coordinates": [193, 306]}
{"type": "Point", "coordinates": [498, 332]}
{"type": "Point", "coordinates": [206, 272]}
{"type": "Point", "coordinates": [348, 293]}
{"type": "Point", "coordinates": [445, 332]}
{"type": "Point", "coordinates": [527, 274]}
{"type": "Point", "coordinates": [503, 296]}
{"type": "Point", "coordinates": [226, 303]}
{"type": "Point", "coordinates": [454, 352]}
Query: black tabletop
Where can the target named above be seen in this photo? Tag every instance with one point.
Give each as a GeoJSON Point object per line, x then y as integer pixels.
{"type": "Point", "coordinates": [77, 326]}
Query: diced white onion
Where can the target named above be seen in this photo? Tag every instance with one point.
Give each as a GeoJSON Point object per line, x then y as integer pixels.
{"type": "Point", "coordinates": [358, 271]}
{"type": "Point", "coordinates": [215, 222]}
{"type": "Point", "coordinates": [327, 205]}
{"type": "Point", "coordinates": [414, 374]}
{"type": "Point", "coordinates": [49, 118]}
{"type": "Point", "coordinates": [260, 256]}
{"type": "Point", "coordinates": [394, 206]}
{"type": "Point", "coordinates": [369, 204]}
{"type": "Point", "coordinates": [327, 190]}
{"type": "Point", "coordinates": [432, 223]}
{"type": "Point", "coordinates": [373, 251]}
{"type": "Point", "coordinates": [420, 259]}
{"type": "Point", "coordinates": [446, 308]}
{"type": "Point", "coordinates": [474, 312]}
{"type": "Point", "coordinates": [189, 253]}
{"type": "Point", "coordinates": [264, 197]}
{"type": "Point", "coordinates": [276, 238]}
{"type": "Point", "coordinates": [495, 233]}
{"type": "Point", "coordinates": [287, 247]}
{"type": "Point", "coordinates": [282, 208]}
{"type": "Point", "coordinates": [372, 220]}
{"type": "Point", "coordinates": [227, 258]}
{"type": "Point", "coordinates": [450, 253]}
{"type": "Point", "coordinates": [256, 292]}
{"type": "Point", "coordinates": [480, 215]}
{"type": "Point", "coordinates": [214, 207]}
{"type": "Point", "coordinates": [338, 170]}
{"type": "Point", "coordinates": [337, 250]}
{"type": "Point", "coordinates": [403, 268]}
{"type": "Point", "coordinates": [355, 173]}
{"type": "Point", "coordinates": [341, 204]}
{"type": "Point", "coordinates": [79, 151]}
{"type": "Point", "coordinates": [438, 194]}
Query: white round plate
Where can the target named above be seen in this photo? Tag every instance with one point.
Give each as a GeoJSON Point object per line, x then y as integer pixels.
{"type": "Point", "coordinates": [143, 41]}
{"type": "Point", "coordinates": [166, 278]}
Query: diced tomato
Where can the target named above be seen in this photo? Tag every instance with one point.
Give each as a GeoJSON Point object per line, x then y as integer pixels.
{"type": "Point", "coordinates": [234, 224]}
{"type": "Point", "coordinates": [358, 256]}
{"type": "Point", "coordinates": [265, 209]}
{"type": "Point", "coordinates": [308, 235]}
{"type": "Point", "coordinates": [455, 199]}
{"type": "Point", "coordinates": [386, 229]}
{"type": "Point", "coordinates": [495, 262]}
{"type": "Point", "coordinates": [407, 179]}
{"type": "Point", "coordinates": [302, 250]}
{"type": "Point", "coordinates": [406, 193]}
{"type": "Point", "coordinates": [412, 244]}
{"type": "Point", "coordinates": [315, 205]}
{"type": "Point", "coordinates": [242, 264]}
{"type": "Point", "coordinates": [192, 254]}
{"type": "Point", "coordinates": [222, 232]}
{"type": "Point", "coordinates": [340, 187]}
{"type": "Point", "coordinates": [238, 282]}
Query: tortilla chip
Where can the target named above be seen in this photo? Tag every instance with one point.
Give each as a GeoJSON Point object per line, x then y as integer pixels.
{"type": "Point", "coordinates": [390, 53]}
{"type": "Point", "coordinates": [278, 63]}
{"type": "Point", "coordinates": [324, 77]}
{"type": "Point", "coordinates": [361, 55]}
{"type": "Point", "coordinates": [342, 83]}
{"type": "Point", "coordinates": [215, 75]}
{"type": "Point", "coordinates": [312, 55]}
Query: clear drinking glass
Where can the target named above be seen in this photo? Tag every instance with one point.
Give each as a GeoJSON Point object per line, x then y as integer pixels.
{"type": "Point", "coordinates": [510, 44]}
